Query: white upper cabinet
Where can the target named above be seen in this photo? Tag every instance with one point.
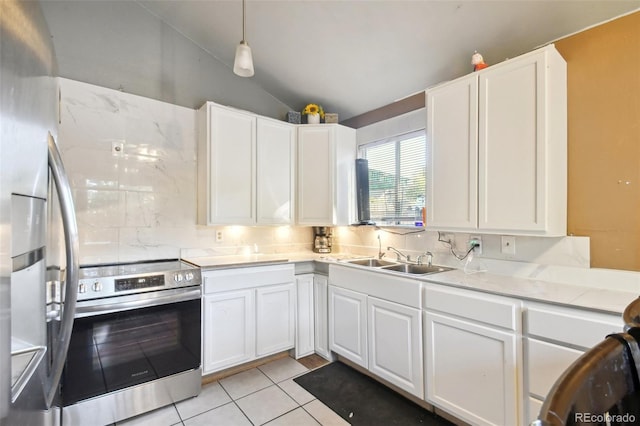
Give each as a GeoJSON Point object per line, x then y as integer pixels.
{"type": "Point", "coordinates": [498, 144]}
{"type": "Point", "coordinates": [452, 141]}
{"type": "Point", "coordinates": [326, 175]}
{"type": "Point", "coordinates": [246, 168]}
{"type": "Point", "coordinates": [275, 172]}
{"type": "Point", "coordinates": [226, 166]}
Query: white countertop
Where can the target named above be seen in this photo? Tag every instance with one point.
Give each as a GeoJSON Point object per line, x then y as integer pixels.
{"type": "Point", "coordinates": [235, 261]}
{"type": "Point", "coordinates": [583, 296]}
{"type": "Point", "coordinates": [612, 301]}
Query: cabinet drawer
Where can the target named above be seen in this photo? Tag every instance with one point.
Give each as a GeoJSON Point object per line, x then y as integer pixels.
{"type": "Point", "coordinates": [575, 327]}
{"type": "Point", "coordinates": [489, 309]}
{"type": "Point", "coordinates": [535, 405]}
{"type": "Point", "coordinates": [241, 278]}
{"type": "Point", "coordinates": [545, 363]}
{"type": "Point", "coordinates": [385, 286]}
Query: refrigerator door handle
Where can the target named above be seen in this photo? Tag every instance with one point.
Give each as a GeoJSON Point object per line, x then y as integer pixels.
{"type": "Point", "coordinates": [70, 226]}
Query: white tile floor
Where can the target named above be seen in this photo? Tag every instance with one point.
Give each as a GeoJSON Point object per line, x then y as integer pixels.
{"type": "Point", "coordinates": [266, 395]}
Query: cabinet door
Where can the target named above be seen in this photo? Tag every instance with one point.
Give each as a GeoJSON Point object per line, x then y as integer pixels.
{"type": "Point", "coordinates": [316, 175]}
{"type": "Point", "coordinates": [472, 370]}
{"type": "Point", "coordinates": [305, 316]}
{"type": "Point", "coordinates": [452, 155]}
{"type": "Point", "coordinates": [228, 329]}
{"type": "Point", "coordinates": [275, 172]}
{"type": "Point", "coordinates": [321, 313]}
{"type": "Point", "coordinates": [534, 407]}
{"type": "Point", "coordinates": [275, 318]}
{"type": "Point", "coordinates": [348, 324]}
{"type": "Point", "coordinates": [395, 344]}
{"type": "Point", "coordinates": [512, 157]}
{"type": "Point", "coordinates": [232, 167]}
{"type": "Point", "coordinates": [545, 364]}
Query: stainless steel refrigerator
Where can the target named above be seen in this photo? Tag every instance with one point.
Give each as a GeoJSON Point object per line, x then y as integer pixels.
{"type": "Point", "coordinates": [38, 232]}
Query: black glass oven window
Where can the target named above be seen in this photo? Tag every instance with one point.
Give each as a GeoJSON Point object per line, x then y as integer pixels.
{"type": "Point", "coordinates": [114, 351]}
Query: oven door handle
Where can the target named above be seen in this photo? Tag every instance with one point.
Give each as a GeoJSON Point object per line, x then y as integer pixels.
{"type": "Point", "coordinates": [144, 300]}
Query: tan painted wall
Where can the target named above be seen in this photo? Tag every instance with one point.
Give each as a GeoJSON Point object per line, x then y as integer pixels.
{"type": "Point", "coordinates": [604, 140]}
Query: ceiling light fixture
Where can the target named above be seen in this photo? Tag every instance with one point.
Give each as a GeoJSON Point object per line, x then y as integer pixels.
{"type": "Point", "coordinates": [243, 65]}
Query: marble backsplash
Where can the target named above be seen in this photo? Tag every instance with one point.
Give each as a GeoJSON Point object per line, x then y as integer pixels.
{"type": "Point", "coordinates": [138, 202]}
{"type": "Point", "coordinates": [566, 251]}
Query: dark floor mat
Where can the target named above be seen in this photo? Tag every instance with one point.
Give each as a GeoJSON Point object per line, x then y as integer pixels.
{"type": "Point", "coordinates": [360, 400]}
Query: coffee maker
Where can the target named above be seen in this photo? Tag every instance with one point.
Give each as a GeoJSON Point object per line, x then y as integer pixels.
{"type": "Point", "coordinates": [322, 239]}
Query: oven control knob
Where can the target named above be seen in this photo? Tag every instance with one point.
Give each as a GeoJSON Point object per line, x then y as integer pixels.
{"type": "Point", "coordinates": [82, 288]}
{"type": "Point", "coordinates": [97, 286]}
{"type": "Point", "coordinates": [177, 277]}
{"type": "Point", "coordinates": [188, 276]}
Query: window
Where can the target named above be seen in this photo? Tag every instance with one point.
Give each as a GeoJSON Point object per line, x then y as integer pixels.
{"type": "Point", "coordinates": [397, 173]}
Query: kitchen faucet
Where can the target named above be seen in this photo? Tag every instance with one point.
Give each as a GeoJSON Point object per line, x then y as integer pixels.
{"type": "Point", "coordinates": [430, 257]}
{"type": "Point", "coordinates": [380, 252]}
{"type": "Point", "coordinates": [399, 254]}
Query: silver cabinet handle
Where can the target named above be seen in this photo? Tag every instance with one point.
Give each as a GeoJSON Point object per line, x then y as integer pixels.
{"type": "Point", "coordinates": [71, 285]}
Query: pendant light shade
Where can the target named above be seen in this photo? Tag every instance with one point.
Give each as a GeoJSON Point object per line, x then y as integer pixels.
{"type": "Point", "coordinates": [243, 64]}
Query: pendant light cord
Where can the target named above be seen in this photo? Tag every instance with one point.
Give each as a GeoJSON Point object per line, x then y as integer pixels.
{"type": "Point", "coordinates": [244, 20]}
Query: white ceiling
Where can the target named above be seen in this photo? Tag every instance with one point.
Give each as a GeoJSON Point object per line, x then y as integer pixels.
{"type": "Point", "coordinates": [353, 56]}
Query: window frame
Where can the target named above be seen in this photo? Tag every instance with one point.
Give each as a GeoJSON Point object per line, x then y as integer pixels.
{"type": "Point", "coordinates": [397, 218]}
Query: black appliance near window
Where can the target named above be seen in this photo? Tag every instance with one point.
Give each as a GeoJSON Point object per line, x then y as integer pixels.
{"type": "Point", "coordinates": [362, 192]}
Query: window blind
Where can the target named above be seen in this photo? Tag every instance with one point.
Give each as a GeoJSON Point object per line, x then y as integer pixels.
{"type": "Point", "coordinates": [397, 174]}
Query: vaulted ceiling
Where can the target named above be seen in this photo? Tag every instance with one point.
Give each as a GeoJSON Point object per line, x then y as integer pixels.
{"type": "Point", "coordinates": [353, 56]}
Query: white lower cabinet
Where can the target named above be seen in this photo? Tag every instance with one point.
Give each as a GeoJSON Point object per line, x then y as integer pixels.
{"type": "Point", "coordinates": [312, 322]}
{"type": "Point", "coordinates": [275, 318]}
{"type": "Point", "coordinates": [471, 370]}
{"type": "Point", "coordinates": [395, 344]}
{"type": "Point", "coordinates": [348, 324]}
{"type": "Point", "coordinates": [229, 326]}
{"type": "Point", "coordinates": [555, 337]}
{"type": "Point", "coordinates": [305, 328]}
{"type": "Point", "coordinates": [473, 355]}
{"type": "Point", "coordinates": [380, 330]}
{"type": "Point", "coordinates": [248, 313]}
{"type": "Point", "coordinates": [321, 316]}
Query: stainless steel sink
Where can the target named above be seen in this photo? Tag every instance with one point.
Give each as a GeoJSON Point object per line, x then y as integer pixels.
{"type": "Point", "coordinates": [409, 268]}
{"type": "Point", "coordinates": [406, 268]}
{"type": "Point", "coordinates": [371, 262]}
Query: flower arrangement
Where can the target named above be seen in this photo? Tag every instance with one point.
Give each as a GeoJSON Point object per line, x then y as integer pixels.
{"type": "Point", "coordinates": [313, 109]}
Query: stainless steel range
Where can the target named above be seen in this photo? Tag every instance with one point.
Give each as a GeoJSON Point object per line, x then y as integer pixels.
{"type": "Point", "coordinates": [135, 344]}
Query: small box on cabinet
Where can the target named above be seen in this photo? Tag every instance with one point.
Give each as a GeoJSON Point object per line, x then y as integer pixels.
{"type": "Point", "coordinates": [294, 117]}
{"type": "Point", "coordinates": [330, 117]}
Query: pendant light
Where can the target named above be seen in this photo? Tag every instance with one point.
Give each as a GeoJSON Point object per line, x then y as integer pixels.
{"type": "Point", "coordinates": [243, 65]}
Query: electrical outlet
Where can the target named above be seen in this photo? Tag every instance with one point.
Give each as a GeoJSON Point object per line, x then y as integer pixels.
{"type": "Point", "coordinates": [477, 241]}
{"type": "Point", "coordinates": [219, 236]}
{"type": "Point", "coordinates": [508, 245]}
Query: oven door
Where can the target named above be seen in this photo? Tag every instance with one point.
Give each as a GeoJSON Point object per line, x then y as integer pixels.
{"type": "Point", "coordinates": [117, 343]}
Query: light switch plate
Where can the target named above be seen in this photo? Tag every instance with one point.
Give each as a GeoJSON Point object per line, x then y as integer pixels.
{"type": "Point", "coordinates": [508, 245]}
